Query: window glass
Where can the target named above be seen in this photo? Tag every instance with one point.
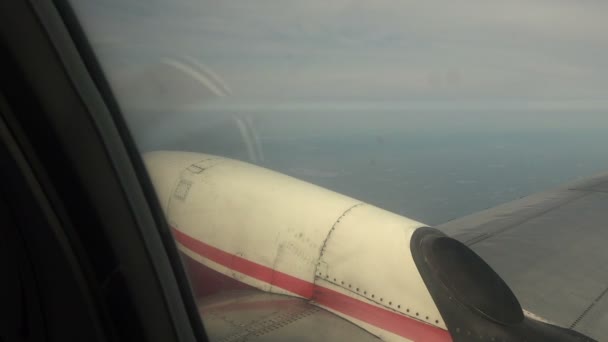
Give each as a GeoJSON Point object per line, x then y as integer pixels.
{"type": "Point", "coordinates": [433, 110]}
{"type": "Point", "coordinates": [409, 106]}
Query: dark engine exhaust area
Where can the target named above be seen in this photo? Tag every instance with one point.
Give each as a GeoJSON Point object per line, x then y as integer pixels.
{"type": "Point", "coordinates": [474, 301]}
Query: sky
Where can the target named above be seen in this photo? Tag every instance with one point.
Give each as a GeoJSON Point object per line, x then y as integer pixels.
{"type": "Point", "coordinates": [321, 51]}
{"type": "Point", "coordinates": [434, 109]}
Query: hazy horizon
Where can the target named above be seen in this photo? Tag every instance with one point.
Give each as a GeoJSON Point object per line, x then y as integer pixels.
{"type": "Point", "coordinates": [431, 109]}
{"type": "Point", "coordinates": [419, 164]}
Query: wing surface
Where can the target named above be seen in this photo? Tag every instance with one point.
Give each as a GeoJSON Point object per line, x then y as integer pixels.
{"type": "Point", "coordinates": [552, 250]}
{"type": "Point", "coordinates": [252, 315]}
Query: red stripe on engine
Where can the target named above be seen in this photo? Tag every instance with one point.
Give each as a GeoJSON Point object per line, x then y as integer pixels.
{"type": "Point", "coordinates": [247, 267]}
{"type": "Point", "coordinates": [384, 319]}
{"type": "Point", "coordinates": [379, 317]}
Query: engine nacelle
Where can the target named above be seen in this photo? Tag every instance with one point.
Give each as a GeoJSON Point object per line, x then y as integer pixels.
{"type": "Point", "coordinates": [384, 272]}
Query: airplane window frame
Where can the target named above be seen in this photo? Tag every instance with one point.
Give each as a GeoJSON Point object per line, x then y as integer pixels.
{"type": "Point", "coordinates": [44, 39]}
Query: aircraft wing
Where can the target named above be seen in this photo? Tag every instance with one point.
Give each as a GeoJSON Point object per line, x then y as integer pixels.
{"type": "Point", "coordinates": [253, 315]}
{"type": "Point", "coordinates": [551, 248]}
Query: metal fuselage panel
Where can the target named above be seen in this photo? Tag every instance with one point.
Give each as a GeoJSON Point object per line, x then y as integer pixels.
{"type": "Point", "coordinates": [285, 236]}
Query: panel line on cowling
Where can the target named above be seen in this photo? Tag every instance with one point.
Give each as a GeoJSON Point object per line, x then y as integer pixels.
{"type": "Point", "coordinates": [333, 227]}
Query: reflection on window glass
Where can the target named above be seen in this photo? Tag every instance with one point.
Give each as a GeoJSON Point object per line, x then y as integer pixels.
{"type": "Point", "coordinates": [432, 110]}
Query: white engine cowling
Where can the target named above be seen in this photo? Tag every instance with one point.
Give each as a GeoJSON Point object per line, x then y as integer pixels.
{"type": "Point", "coordinates": [282, 235]}
{"type": "Point", "coordinates": [385, 273]}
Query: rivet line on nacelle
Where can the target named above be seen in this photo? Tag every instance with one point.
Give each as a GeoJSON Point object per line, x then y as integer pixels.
{"type": "Point", "coordinates": [373, 296]}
